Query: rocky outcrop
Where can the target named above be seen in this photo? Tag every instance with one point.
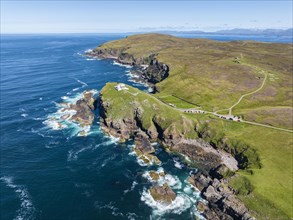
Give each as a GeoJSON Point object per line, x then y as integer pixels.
{"type": "Point", "coordinates": [148, 68]}
{"type": "Point", "coordinates": [163, 194]}
{"type": "Point", "coordinates": [222, 201]}
{"type": "Point", "coordinates": [204, 155]}
{"type": "Point", "coordinates": [84, 110]}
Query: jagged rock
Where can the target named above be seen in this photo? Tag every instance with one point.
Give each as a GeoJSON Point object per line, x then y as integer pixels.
{"type": "Point", "coordinates": [222, 202]}
{"type": "Point", "coordinates": [155, 175]}
{"type": "Point", "coordinates": [221, 172]}
{"type": "Point", "coordinates": [143, 144]}
{"type": "Point", "coordinates": [152, 133]}
{"type": "Point", "coordinates": [199, 180]}
{"type": "Point", "coordinates": [201, 207]}
{"type": "Point", "coordinates": [212, 195]}
{"type": "Point", "coordinates": [84, 110]}
{"type": "Point", "coordinates": [233, 206]}
{"type": "Point", "coordinates": [163, 193]}
{"type": "Point", "coordinates": [155, 71]}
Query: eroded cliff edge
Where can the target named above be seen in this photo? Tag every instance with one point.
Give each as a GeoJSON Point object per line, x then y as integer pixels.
{"type": "Point", "coordinates": [147, 67]}
{"type": "Point", "coordinates": [131, 113]}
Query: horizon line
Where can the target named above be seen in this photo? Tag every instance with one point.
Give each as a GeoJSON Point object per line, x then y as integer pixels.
{"type": "Point", "coordinates": [151, 31]}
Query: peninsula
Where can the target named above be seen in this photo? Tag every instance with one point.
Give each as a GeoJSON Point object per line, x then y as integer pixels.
{"type": "Point", "coordinates": [224, 107]}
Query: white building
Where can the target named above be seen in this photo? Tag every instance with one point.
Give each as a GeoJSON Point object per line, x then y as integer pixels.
{"type": "Point", "coordinates": [121, 86]}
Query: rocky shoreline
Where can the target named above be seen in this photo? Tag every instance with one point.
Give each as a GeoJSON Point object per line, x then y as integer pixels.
{"type": "Point", "coordinates": [217, 166]}
{"type": "Point", "coordinates": [147, 70]}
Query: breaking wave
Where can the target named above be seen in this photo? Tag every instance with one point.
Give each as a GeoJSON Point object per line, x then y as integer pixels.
{"type": "Point", "coordinates": [179, 205]}
{"type": "Point", "coordinates": [27, 210]}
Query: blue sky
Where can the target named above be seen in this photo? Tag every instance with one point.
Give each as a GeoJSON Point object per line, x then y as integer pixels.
{"type": "Point", "coordinates": [122, 16]}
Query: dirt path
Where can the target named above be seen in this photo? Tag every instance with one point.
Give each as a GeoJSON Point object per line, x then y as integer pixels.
{"type": "Point", "coordinates": [214, 113]}
{"type": "Point", "coordinates": [267, 126]}
{"type": "Point", "coordinates": [250, 93]}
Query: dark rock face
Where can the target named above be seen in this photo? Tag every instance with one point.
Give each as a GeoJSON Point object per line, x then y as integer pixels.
{"type": "Point", "coordinates": [84, 109]}
{"type": "Point", "coordinates": [152, 71]}
{"type": "Point", "coordinates": [203, 159]}
{"type": "Point", "coordinates": [163, 193]}
{"type": "Point", "coordinates": [143, 144]}
{"type": "Point", "coordinates": [223, 203]}
{"type": "Point", "coordinates": [155, 72]}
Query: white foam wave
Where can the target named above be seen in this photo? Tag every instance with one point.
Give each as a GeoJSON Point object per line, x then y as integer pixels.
{"type": "Point", "coordinates": [112, 140]}
{"type": "Point", "coordinates": [75, 89]}
{"type": "Point", "coordinates": [27, 209]}
{"type": "Point", "coordinates": [111, 206]}
{"type": "Point", "coordinates": [131, 75]}
{"type": "Point", "coordinates": [24, 115]}
{"type": "Point", "coordinates": [120, 64]}
{"type": "Point", "coordinates": [52, 144]}
{"type": "Point", "coordinates": [64, 97]}
{"type": "Point", "coordinates": [61, 118]}
{"type": "Point", "coordinates": [179, 205]}
{"type": "Point", "coordinates": [107, 160]}
{"type": "Point", "coordinates": [38, 119]}
{"type": "Point", "coordinates": [131, 216]}
{"type": "Point", "coordinates": [177, 164]}
{"type": "Point", "coordinates": [173, 181]}
{"type": "Point", "coordinates": [81, 82]}
{"type": "Point", "coordinates": [88, 51]}
{"type": "Point", "coordinates": [73, 155]}
{"type": "Point", "coordinates": [131, 188]}
{"type": "Point", "coordinates": [54, 124]}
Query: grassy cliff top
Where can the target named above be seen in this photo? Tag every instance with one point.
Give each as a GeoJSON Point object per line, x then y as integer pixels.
{"type": "Point", "coordinates": [216, 74]}
{"type": "Point", "coordinates": [272, 183]}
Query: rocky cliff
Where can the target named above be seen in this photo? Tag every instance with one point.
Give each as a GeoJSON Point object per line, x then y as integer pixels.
{"type": "Point", "coordinates": [142, 117]}
{"type": "Point", "coordinates": [148, 68]}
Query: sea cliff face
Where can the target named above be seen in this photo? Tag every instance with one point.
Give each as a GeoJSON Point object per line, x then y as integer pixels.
{"type": "Point", "coordinates": [128, 121]}
{"type": "Point", "coordinates": [148, 68]}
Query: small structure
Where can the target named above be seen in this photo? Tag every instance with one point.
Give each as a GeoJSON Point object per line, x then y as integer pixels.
{"type": "Point", "coordinates": [121, 86]}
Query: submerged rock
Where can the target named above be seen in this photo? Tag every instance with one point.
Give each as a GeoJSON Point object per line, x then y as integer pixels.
{"type": "Point", "coordinates": [163, 193]}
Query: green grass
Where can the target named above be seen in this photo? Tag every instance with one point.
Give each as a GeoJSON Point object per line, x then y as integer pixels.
{"type": "Point", "coordinates": [179, 103]}
{"type": "Point", "coordinates": [242, 185]}
{"type": "Point", "coordinates": [204, 72]}
{"type": "Point", "coordinates": [264, 183]}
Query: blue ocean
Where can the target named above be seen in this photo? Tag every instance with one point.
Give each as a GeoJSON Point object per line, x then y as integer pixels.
{"type": "Point", "coordinates": [52, 173]}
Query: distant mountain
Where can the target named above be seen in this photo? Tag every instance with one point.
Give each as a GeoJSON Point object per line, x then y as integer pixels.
{"type": "Point", "coordinates": [279, 32]}
{"type": "Point", "coordinates": [237, 31]}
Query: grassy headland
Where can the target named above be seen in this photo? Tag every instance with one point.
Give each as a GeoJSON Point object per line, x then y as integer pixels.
{"type": "Point", "coordinates": [268, 153]}
{"type": "Point", "coordinates": [213, 75]}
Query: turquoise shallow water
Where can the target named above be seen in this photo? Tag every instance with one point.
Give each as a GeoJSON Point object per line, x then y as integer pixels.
{"type": "Point", "coordinates": [54, 174]}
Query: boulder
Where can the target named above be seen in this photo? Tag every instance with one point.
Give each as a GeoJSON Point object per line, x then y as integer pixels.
{"type": "Point", "coordinates": [163, 193]}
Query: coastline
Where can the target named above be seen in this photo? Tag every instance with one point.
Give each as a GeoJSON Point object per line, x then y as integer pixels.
{"type": "Point", "coordinates": [213, 163]}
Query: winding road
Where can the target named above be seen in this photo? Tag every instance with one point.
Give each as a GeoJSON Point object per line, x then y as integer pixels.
{"type": "Point", "coordinates": [250, 93]}
{"type": "Point", "coordinates": [199, 111]}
